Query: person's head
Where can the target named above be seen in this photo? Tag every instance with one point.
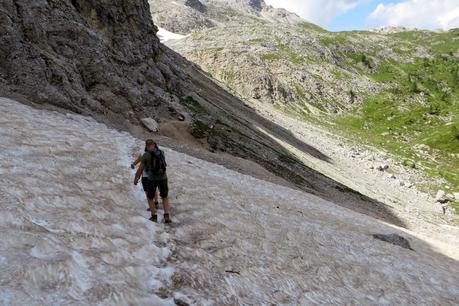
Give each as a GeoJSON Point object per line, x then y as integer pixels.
{"type": "Point", "coordinates": [150, 145]}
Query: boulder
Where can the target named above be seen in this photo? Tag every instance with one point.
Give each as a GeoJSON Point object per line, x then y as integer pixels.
{"type": "Point", "coordinates": [456, 196]}
{"type": "Point", "coordinates": [443, 198]}
{"type": "Point", "coordinates": [150, 124]}
{"type": "Point", "coordinates": [440, 194]}
{"type": "Point", "coordinates": [181, 117]}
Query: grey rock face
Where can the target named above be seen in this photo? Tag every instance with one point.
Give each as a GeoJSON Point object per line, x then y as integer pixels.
{"type": "Point", "coordinates": [180, 16]}
{"type": "Point", "coordinates": [394, 239]}
{"type": "Point", "coordinates": [257, 4]}
{"type": "Point", "coordinates": [197, 5]}
{"type": "Point", "coordinates": [89, 56]}
{"type": "Point", "coordinates": [247, 5]}
{"type": "Point", "coordinates": [186, 16]}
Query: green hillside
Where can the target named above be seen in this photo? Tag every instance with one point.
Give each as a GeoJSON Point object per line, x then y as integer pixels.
{"type": "Point", "coordinates": [417, 116]}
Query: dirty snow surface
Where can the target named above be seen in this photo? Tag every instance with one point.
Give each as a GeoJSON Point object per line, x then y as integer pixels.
{"type": "Point", "coordinates": [74, 231]}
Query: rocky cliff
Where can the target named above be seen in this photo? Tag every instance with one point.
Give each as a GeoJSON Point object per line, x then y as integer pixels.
{"type": "Point", "coordinates": [88, 56]}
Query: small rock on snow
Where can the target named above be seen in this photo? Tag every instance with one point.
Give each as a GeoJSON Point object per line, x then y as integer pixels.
{"type": "Point", "coordinates": [394, 239]}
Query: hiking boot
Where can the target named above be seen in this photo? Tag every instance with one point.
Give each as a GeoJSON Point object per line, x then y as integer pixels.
{"type": "Point", "coordinates": [167, 219]}
{"type": "Point", "coordinates": [154, 218]}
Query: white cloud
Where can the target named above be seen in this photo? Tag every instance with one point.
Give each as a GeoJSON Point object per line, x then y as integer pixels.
{"type": "Point", "coordinates": [424, 14]}
{"type": "Point", "coordinates": [317, 11]}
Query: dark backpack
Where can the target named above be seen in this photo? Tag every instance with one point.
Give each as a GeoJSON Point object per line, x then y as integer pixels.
{"type": "Point", "coordinates": [158, 162]}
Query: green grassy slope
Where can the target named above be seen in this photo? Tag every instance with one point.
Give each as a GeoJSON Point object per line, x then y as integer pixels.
{"type": "Point", "coordinates": [416, 114]}
{"type": "Point", "coordinates": [420, 107]}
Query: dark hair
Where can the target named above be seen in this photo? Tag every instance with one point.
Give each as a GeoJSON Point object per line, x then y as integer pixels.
{"type": "Point", "coordinates": [145, 150]}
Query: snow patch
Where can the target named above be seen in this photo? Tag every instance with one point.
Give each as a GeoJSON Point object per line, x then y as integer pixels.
{"type": "Point", "coordinates": [164, 35]}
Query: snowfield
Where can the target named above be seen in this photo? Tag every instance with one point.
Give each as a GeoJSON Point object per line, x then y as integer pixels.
{"type": "Point", "coordinates": [74, 231]}
{"type": "Point", "coordinates": [73, 228]}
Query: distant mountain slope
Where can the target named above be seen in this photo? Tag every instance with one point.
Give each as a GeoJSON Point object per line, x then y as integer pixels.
{"type": "Point", "coordinates": [185, 16]}
{"type": "Point", "coordinates": [400, 91]}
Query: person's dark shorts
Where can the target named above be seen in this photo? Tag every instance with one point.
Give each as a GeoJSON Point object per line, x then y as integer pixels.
{"type": "Point", "coordinates": [144, 183]}
{"type": "Point", "coordinates": [152, 185]}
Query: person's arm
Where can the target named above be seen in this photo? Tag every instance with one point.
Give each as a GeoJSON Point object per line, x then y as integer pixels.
{"type": "Point", "coordinates": [138, 174]}
{"type": "Point", "coordinates": [164, 158]}
{"type": "Point", "coordinates": [134, 163]}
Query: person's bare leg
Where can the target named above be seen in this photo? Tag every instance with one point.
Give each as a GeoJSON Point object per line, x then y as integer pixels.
{"type": "Point", "coordinates": [156, 196]}
{"type": "Point", "coordinates": [151, 204]}
{"type": "Point", "coordinates": [166, 205]}
{"type": "Point", "coordinates": [146, 195]}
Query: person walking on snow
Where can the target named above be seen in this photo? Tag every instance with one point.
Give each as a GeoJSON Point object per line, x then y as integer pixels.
{"type": "Point", "coordinates": [144, 179]}
{"type": "Point", "coordinates": [154, 161]}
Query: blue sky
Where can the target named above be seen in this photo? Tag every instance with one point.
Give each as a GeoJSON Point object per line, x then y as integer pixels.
{"type": "Point", "coordinates": [354, 19]}
{"type": "Point", "coordinates": [339, 15]}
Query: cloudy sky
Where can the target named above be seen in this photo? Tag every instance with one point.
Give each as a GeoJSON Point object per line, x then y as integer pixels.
{"type": "Point", "coordinates": [339, 15]}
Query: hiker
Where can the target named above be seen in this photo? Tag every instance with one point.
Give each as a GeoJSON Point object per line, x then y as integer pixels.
{"type": "Point", "coordinates": [154, 161]}
{"type": "Point", "coordinates": [144, 178]}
